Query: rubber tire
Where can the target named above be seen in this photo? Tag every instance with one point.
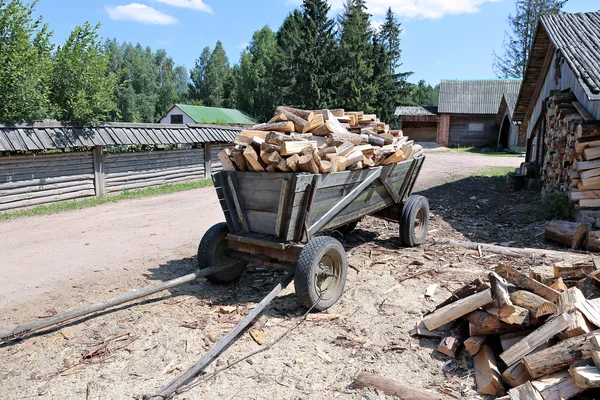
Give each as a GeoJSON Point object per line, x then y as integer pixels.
{"type": "Point", "coordinates": [407, 221]}
{"type": "Point", "coordinates": [304, 279]}
{"type": "Point", "coordinates": [348, 228]}
{"type": "Point", "coordinates": [207, 256]}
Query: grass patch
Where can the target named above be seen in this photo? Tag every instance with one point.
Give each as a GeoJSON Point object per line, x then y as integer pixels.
{"type": "Point", "coordinates": [486, 151]}
{"type": "Point", "coordinates": [96, 201]}
{"type": "Point", "coordinates": [494, 172]}
{"type": "Point", "coordinates": [554, 205]}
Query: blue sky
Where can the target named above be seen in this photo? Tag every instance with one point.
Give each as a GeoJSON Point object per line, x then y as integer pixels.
{"type": "Point", "coordinates": [443, 39]}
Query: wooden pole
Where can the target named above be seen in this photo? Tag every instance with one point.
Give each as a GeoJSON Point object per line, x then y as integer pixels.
{"type": "Point", "coordinates": [209, 356]}
{"type": "Point", "coordinates": [92, 308]}
{"type": "Point", "coordinates": [394, 388]}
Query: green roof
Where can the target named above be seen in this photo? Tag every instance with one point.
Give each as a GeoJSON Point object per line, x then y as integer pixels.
{"type": "Point", "coordinates": [214, 115]}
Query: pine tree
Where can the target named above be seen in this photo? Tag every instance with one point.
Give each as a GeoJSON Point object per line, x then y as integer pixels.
{"type": "Point", "coordinates": [217, 72]}
{"type": "Point", "coordinates": [197, 88]}
{"type": "Point", "coordinates": [517, 44]}
{"type": "Point", "coordinates": [288, 38]}
{"type": "Point", "coordinates": [389, 36]}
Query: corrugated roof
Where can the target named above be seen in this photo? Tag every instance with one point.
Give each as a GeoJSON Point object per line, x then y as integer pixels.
{"type": "Point", "coordinates": [577, 37]}
{"type": "Point", "coordinates": [511, 101]}
{"type": "Point", "coordinates": [50, 135]}
{"type": "Point", "coordinates": [475, 96]}
{"type": "Point", "coordinates": [214, 115]}
{"type": "Point", "coordinates": [416, 111]}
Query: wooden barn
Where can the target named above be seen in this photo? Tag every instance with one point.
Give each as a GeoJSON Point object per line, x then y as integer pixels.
{"type": "Point", "coordinates": [418, 123]}
{"type": "Point", "coordinates": [559, 103]}
{"type": "Point", "coordinates": [512, 135]}
{"type": "Point", "coordinates": [468, 110]}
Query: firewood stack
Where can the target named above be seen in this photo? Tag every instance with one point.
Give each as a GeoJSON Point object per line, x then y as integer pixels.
{"type": "Point", "coordinates": [318, 142]}
{"type": "Point", "coordinates": [572, 160]}
{"type": "Point", "coordinates": [535, 337]}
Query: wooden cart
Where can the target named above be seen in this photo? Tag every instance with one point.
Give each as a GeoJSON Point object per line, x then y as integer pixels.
{"type": "Point", "coordinates": [276, 219]}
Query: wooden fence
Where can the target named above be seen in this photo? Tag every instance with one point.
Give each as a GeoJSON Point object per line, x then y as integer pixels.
{"type": "Point", "coordinates": [31, 180]}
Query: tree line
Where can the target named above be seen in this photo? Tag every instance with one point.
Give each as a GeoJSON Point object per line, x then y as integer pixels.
{"type": "Point", "coordinates": [311, 62]}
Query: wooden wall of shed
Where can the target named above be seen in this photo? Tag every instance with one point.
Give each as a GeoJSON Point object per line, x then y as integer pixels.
{"type": "Point", "coordinates": [125, 171]}
{"type": "Point", "coordinates": [46, 178]}
{"type": "Point", "coordinates": [215, 148]}
{"type": "Point", "coordinates": [460, 135]}
{"type": "Point", "coordinates": [420, 131]}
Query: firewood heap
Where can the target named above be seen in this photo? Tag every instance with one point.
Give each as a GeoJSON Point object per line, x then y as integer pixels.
{"type": "Point", "coordinates": [318, 142]}
{"type": "Point", "coordinates": [572, 160]}
{"type": "Point", "coordinates": [537, 334]}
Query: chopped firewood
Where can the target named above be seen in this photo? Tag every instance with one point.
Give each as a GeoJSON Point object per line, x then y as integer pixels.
{"type": "Point", "coordinates": [586, 377]}
{"type": "Point", "coordinates": [252, 159]}
{"type": "Point", "coordinates": [567, 270]}
{"type": "Point", "coordinates": [474, 287]}
{"type": "Point", "coordinates": [516, 374]}
{"type": "Point", "coordinates": [507, 340]}
{"type": "Point", "coordinates": [591, 310]}
{"type": "Point", "coordinates": [524, 282]}
{"type": "Point", "coordinates": [482, 323]}
{"type": "Point", "coordinates": [487, 375]}
{"type": "Point", "coordinates": [285, 126]}
{"type": "Point", "coordinates": [473, 344]}
{"type": "Point", "coordinates": [337, 139]}
{"type": "Point", "coordinates": [307, 163]}
{"type": "Point", "coordinates": [278, 117]}
{"type": "Point", "coordinates": [561, 355]}
{"type": "Point", "coordinates": [537, 305]}
{"type": "Point", "coordinates": [421, 330]}
{"type": "Point", "coordinates": [224, 157]}
{"type": "Point", "coordinates": [570, 234]}
{"type": "Point", "coordinates": [457, 309]}
{"type": "Point", "coordinates": [345, 148]}
{"type": "Point", "coordinates": [559, 285]}
{"type": "Point", "coordinates": [507, 312]}
{"type": "Point", "coordinates": [559, 386]}
{"type": "Point", "coordinates": [592, 241]}
{"type": "Point", "coordinates": [251, 134]}
{"type": "Point", "coordinates": [313, 124]}
{"type": "Point", "coordinates": [293, 147]}
{"type": "Point", "coordinates": [450, 344]}
{"type": "Point", "coordinates": [393, 388]}
{"type": "Point", "coordinates": [566, 304]}
{"type": "Point", "coordinates": [240, 161]}
{"type": "Point", "coordinates": [299, 122]}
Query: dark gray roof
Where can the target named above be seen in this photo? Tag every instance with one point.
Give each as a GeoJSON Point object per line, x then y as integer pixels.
{"type": "Point", "coordinates": [49, 135]}
{"type": "Point", "coordinates": [475, 96]}
{"type": "Point", "coordinates": [416, 111]}
{"type": "Point", "coordinates": [511, 101]}
{"type": "Point", "coordinates": [577, 37]}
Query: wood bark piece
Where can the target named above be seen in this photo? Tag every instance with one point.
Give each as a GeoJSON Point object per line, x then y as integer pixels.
{"type": "Point", "coordinates": [524, 282]}
{"type": "Point", "coordinates": [224, 157]}
{"type": "Point", "coordinates": [457, 309]}
{"type": "Point", "coordinates": [482, 323]}
{"type": "Point", "coordinates": [585, 377]}
{"type": "Point", "coordinates": [591, 310]}
{"type": "Point", "coordinates": [570, 234]}
{"type": "Point", "coordinates": [285, 126]}
{"type": "Point", "coordinates": [559, 356]}
{"type": "Point", "coordinates": [393, 388]}
{"type": "Point", "coordinates": [516, 374]}
{"type": "Point", "coordinates": [537, 305]}
{"type": "Point", "coordinates": [559, 386]}
{"type": "Point", "coordinates": [487, 375]}
{"type": "Point", "coordinates": [252, 159]}
{"type": "Point", "coordinates": [536, 338]}
{"type": "Point", "coordinates": [473, 344]}
{"type": "Point", "coordinates": [567, 270]}
{"type": "Point", "coordinates": [525, 392]}
{"type": "Point", "coordinates": [566, 304]}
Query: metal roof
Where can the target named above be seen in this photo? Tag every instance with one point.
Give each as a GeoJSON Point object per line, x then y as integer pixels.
{"type": "Point", "coordinates": [49, 135]}
{"type": "Point", "coordinates": [577, 37]}
{"type": "Point", "coordinates": [511, 101]}
{"type": "Point", "coordinates": [215, 115]}
{"type": "Point", "coordinates": [475, 96]}
{"type": "Point", "coordinates": [416, 111]}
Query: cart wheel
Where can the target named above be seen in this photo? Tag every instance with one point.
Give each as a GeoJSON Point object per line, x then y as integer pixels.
{"type": "Point", "coordinates": [321, 273]}
{"type": "Point", "coordinates": [414, 221]}
{"type": "Point", "coordinates": [348, 228]}
{"type": "Point", "coordinates": [213, 250]}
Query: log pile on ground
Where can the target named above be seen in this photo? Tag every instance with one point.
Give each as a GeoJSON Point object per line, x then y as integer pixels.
{"type": "Point", "coordinates": [531, 336]}
{"type": "Point", "coordinates": [572, 160]}
{"type": "Point", "coordinates": [320, 141]}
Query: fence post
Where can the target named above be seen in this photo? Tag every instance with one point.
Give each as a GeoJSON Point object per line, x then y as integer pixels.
{"type": "Point", "coordinates": [99, 176]}
{"type": "Point", "coordinates": [207, 160]}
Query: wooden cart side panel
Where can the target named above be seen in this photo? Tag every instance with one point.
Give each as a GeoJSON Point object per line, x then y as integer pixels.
{"type": "Point", "coordinates": [218, 182]}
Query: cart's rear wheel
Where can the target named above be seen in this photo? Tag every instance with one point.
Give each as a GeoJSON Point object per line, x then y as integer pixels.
{"type": "Point", "coordinates": [213, 250]}
{"type": "Point", "coordinates": [321, 273]}
{"type": "Point", "coordinates": [414, 221]}
{"type": "Point", "coordinates": [348, 228]}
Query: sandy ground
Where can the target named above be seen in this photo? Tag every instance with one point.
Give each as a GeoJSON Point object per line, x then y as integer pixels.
{"type": "Point", "coordinates": [52, 263]}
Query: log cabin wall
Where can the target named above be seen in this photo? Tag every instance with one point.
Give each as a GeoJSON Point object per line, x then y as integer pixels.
{"type": "Point", "coordinates": [473, 130]}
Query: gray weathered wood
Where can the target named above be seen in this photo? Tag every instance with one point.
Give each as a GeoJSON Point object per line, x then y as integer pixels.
{"type": "Point", "coordinates": [283, 195]}
{"type": "Point", "coordinates": [207, 160]}
{"type": "Point", "coordinates": [240, 211]}
{"type": "Point", "coordinates": [99, 175]}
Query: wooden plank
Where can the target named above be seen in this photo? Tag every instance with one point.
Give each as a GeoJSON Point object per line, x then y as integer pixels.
{"type": "Point", "coordinates": [524, 282]}
{"type": "Point", "coordinates": [558, 386]}
{"type": "Point", "coordinates": [457, 309]}
{"type": "Point", "coordinates": [536, 338]}
{"type": "Point", "coordinates": [487, 375]}
{"type": "Point", "coordinates": [262, 222]}
{"type": "Point", "coordinates": [283, 195]}
{"type": "Point", "coordinates": [240, 211]}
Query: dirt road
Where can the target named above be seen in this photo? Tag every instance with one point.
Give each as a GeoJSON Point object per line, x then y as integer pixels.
{"type": "Point", "coordinates": [52, 263]}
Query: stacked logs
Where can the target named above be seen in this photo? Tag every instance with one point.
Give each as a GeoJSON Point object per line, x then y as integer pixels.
{"type": "Point", "coordinates": [534, 336]}
{"type": "Point", "coordinates": [572, 158]}
{"type": "Point", "coordinates": [318, 142]}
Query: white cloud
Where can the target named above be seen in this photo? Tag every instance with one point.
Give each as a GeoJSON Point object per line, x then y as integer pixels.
{"type": "Point", "coordinates": [243, 45]}
{"type": "Point", "coordinates": [427, 9]}
{"type": "Point", "coordinates": [197, 5]}
{"type": "Point", "coordinates": [376, 23]}
{"type": "Point", "coordinates": [140, 13]}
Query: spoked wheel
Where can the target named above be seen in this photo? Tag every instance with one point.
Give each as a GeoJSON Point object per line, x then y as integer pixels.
{"type": "Point", "coordinates": [213, 250]}
{"type": "Point", "coordinates": [321, 273]}
{"type": "Point", "coordinates": [348, 228]}
{"type": "Point", "coordinates": [414, 221]}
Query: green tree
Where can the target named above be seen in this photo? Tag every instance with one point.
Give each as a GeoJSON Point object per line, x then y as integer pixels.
{"type": "Point", "coordinates": [217, 73]}
{"type": "Point", "coordinates": [517, 44]}
{"type": "Point", "coordinates": [197, 87]}
{"type": "Point", "coordinates": [286, 71]}
{"type": "Point", "coordinates": [81, 87]}
{"type": "Point", "coordinates": [25, 59]}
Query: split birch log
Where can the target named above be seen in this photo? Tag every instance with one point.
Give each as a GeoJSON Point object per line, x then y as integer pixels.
{"type": "Point", "coordinates": [457, 309]}
{"type": "Point", "coordinates": [566, 304]}
{"type": "Point", "coordinates": [559, 386]}
{"type": "Point", "coordinates": [537, 305]}
{"type": "Point", "coordinates": [473, 344]}
{"type": "Point", "coordinates": [284, 126]}
{"type": "Point", "coordinates": [516, 374]}
{"type": "Point", "coordinates": [278, 138]}
{"type": "Point", "coordinates": [536, 338]}
{"type": "Point", "coordinates": [393, 388]}
{"type": "Point", "coordinates": [586, 377]}
{"type": "Point", "coordinates": [507, 312]}
{"type": "Point", "coordinates": [559, 356]}
{"type": "Point", "coordinates": [482, 323]}
{"type": "Point", "coordinates": [487, 375]}
{"type": "Point", "coordinates": [524, 282]}
{"type": "Point", "coordinates": [570, 234]}
{"type": "Point", "coordinates": [337, 139]}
